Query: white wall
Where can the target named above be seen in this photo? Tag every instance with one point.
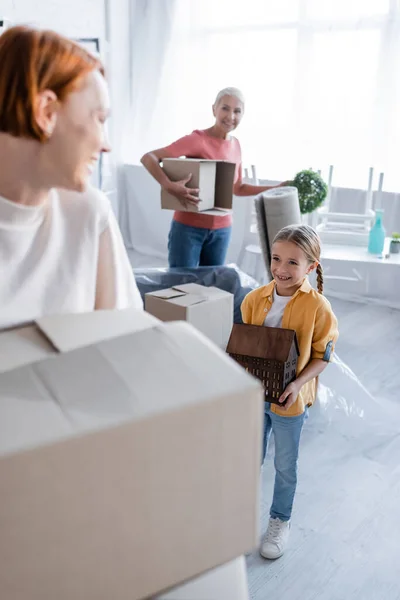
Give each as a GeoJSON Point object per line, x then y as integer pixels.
{"type": "Point", "coordinates": [118, 20]}
{"type": "Point", "coordinates": [73, 18]}
{"type": "Point", "coordinates": [103, 19]}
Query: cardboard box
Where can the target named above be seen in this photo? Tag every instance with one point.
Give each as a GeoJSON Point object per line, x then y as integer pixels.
{"type": "Point", "coordinates": [228, 582]}
{"type": "Point", "coordinates": [127, 466]}
{"type": "Point", "coordinates": [214, 179]}
{"type": "Point", "coordinates": [209, 309]}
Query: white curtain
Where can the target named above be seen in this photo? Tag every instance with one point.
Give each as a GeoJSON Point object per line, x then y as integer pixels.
{"type": "Point", "coordinates": [321, 80]}
{"type": "Point", "coordinates": [152, 23]}
{"type": "Point", "coordinates": [151, 26]}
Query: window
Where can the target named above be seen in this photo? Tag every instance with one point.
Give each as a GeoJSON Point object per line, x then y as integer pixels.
{"type": "Point", "coordinates": [321, 80]}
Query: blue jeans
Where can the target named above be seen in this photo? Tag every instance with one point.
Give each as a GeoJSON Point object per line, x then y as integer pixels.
{"type": "Point", "coordinates": [287, 432]}
{"type": "Point", "coordinates": [197, 247]}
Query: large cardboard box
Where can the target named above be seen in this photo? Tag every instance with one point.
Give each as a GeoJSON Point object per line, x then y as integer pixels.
{"type": "Point", "coordinates": [127, 465]}
{"type": "Point", "coordinates": [213, 178]}
{"type": "Point", "coordinates": [209, 309]}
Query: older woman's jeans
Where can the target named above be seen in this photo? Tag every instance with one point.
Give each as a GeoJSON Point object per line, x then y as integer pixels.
{"type": "Point", "coordinates": [197, 247]}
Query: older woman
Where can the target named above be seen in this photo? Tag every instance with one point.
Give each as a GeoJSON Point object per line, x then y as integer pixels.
{"type": "Point", "coordinates": [196, 239]}
{"type": "Point", "coordinates": [60, 246]}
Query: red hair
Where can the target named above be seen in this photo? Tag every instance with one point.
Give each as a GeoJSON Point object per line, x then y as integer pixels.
{"type": "Point", "coordinates": [32, 61]}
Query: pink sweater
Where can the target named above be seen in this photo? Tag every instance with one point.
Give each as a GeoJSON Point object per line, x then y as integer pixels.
{"type": "Point", "coordinates": [199, 144]}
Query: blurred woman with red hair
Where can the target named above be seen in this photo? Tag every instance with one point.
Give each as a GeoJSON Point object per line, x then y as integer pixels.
{"type": "Point", "coordinates": [60, 247]}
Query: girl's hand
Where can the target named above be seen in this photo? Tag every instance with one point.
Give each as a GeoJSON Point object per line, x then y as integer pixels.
{"type": "Point", "coordinates": [185, 195]}
{"type": "Point", "coordinates": [290, 395]}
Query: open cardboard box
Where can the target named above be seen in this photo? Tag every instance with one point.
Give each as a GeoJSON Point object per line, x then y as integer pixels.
{"type": "Point", "coordinates": [213, 178]}
{"type": "Point", "coordinates": [209, 309]}
{"type": "Point", "coordinates": [129, 457]}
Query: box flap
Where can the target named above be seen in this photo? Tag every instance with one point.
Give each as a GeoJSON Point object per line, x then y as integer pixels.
{"type": "Point", "coordinates": [210, 292]}
{"type": "Point", "coordinates": [68, 332]}
{"type": "Point", "coordinates": [190, 288]}
{"type": "Point", "coordinates": [224, 185]}
{"type": "Point", "coordinates": [168, 293]}
{"type": "Point", "coordinates": [190, 299]}
{"type": "Point", "coordinates": [61, 333]}
{"type": "Point", "coordinates": [23, 346]}
{"type": "Point", "coordinates": [189, 294]}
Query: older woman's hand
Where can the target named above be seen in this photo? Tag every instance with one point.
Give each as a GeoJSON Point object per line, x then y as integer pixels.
{"type": "Point", "coordinates": [186, 196]}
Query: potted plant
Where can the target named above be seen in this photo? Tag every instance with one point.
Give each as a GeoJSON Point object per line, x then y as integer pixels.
{"type": "Point", "coordinates": [311, 188]}
{"type": "Point", "coordinates": [395, 243]}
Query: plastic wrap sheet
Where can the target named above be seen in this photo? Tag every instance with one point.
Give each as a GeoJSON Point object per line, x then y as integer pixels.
{"type": "Point", "coordinates": [350, 437]}
{"type": "Point", "coordinates": [344, 404]}
{"type": "Point", "coordinates": [229, 278]}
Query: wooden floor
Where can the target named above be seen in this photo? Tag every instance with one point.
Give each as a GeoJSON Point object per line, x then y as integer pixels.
{"type": "Point", "coordinates": [345, 537]}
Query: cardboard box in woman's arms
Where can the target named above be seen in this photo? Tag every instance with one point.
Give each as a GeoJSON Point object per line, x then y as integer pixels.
{"type": "Point", "coordinates": [128, 448]}
{"type": "Point", "coordinates": [214, 179]}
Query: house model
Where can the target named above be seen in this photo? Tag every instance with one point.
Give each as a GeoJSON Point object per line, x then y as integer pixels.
{"type": "Point", "coordinates": [268, 353]}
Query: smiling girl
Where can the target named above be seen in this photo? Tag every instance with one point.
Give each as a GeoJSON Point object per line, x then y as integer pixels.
{"type": "Point", "coordinates": [196, 239]}
{"type": "Point", "coordinates": [289, 301]}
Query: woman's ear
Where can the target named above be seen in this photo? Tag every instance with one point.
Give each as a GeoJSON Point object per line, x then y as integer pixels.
{"type": "Point", "coordinates": [45, 111]}
{"type": "Point", "coordinates": [213, 110]}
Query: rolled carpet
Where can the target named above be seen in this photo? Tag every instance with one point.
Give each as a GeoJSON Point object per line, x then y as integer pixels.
{"type": "Point", "coordinates": [275, 209]}
{"type": "Point", "coordinates": [262, 232]}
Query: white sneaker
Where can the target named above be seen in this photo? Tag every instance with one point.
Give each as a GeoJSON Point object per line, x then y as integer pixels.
{"type": "Point", "coordinates": [274, 543]}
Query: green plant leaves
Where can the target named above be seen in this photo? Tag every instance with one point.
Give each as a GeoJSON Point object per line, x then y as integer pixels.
{"type": "Point", "coordinates": [311, 188]}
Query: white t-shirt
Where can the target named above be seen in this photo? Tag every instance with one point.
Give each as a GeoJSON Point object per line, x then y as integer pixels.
{"type": "Point", "coordinates": [66, 255]}
{"type": "Point", "coordinates": [275, 313]}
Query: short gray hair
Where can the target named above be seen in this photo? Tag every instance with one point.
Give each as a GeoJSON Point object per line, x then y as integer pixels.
{"type": "Point", "coordinates": [229, 91]}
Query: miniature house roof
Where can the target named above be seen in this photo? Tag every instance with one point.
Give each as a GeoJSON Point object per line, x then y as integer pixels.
{"type": "Point", "coordinates": [272, 343]}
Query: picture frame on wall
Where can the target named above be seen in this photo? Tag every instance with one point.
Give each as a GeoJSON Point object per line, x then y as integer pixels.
{"type": "Point", "coordinates": [90, 44]}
